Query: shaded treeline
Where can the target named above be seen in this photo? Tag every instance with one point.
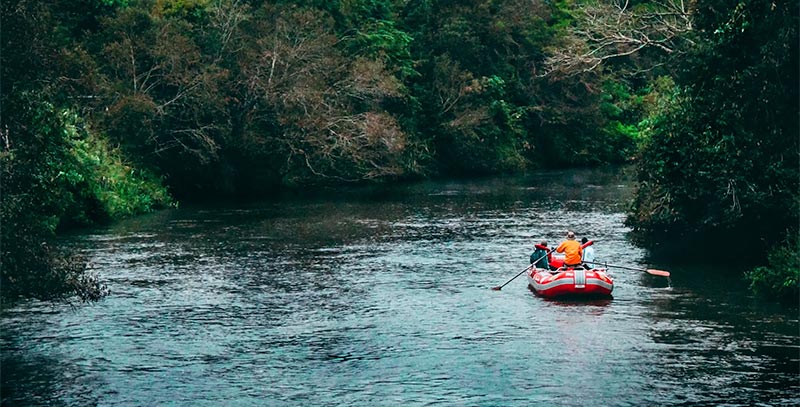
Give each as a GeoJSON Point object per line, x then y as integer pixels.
{"type": "Point", "coordinates": [109, 104]}
{"type": "Point", "coordinates": [235, 96]}
{"type": "Point", "coordinates": [720, 171]}
{"type": "Point", "coordinates": [105, 101]}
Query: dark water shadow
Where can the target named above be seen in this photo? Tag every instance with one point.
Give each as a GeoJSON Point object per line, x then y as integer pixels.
{"type": "Point", "coordinates": [36, 379]}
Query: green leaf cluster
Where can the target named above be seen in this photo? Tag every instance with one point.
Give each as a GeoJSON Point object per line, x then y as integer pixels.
{"type": "Point", "coordinates": [229, 96]}
{"type": "Point", "coordinates": [721, 152]}
{"type": "Point", "coordinates": [57, 174]}
{"type": "Point", "coordinates": [241, 97]}
{"type": "Point", "coordinates": [780, 279]}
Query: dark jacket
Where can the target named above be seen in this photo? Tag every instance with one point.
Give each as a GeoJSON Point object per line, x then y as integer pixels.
{"type": "Point", "coordinates": [540, 255]}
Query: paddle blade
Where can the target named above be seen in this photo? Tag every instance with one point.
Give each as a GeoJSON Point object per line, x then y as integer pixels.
{"type": "Point", "coordinates": [661, 273]}
{"type": "Point", "coordinates": [498, 288]}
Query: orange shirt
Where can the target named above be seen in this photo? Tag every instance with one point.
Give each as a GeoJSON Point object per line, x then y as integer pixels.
{"type": "Point", "coordinates": [572, 251]}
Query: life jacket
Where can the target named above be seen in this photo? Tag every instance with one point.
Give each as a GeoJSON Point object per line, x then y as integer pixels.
{"type": "Point", "coordinates": [539, 252]}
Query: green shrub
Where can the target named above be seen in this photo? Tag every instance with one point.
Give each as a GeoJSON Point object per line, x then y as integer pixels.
{"type": "Point", "coordinates": [780, 278]}
{"type": "Point", "coordinates": [720, 154]}
{"type": "Point", "coordinates": [56, 173]}
{"type": "Point", "coordinates": [99, 174]}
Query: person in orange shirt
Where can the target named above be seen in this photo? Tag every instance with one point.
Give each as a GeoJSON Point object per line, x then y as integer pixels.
{"type": "Point", "coordinates": [571, 249]}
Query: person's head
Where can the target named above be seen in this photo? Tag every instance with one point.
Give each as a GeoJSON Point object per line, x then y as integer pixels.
{"type": "Point", "coordinates": [544, 243]}
{"type": "Point", "coordinates": [584, 240]}
{"type": "Point", "coordinates": [571, 235]}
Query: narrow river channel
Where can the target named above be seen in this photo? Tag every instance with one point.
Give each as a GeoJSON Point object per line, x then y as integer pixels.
{"type": "Point", "coordinates": [381, 297]}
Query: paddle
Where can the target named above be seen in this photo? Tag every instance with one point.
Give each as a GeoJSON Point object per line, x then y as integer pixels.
{"type": "Point", "coordinates": [500, 287]}
{"type": "Point", "coordinates": [654, 272]}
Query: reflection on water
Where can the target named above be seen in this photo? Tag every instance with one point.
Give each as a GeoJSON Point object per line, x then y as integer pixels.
{"type": "Point", "coordinates": [381, 296]}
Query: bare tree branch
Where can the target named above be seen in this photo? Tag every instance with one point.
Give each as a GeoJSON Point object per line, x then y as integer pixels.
{"type": "Point", "coordinates": [609, 30]}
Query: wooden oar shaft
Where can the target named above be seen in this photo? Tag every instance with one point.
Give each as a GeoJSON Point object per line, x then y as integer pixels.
{"type": "Point", "coordinates": [500, 287]}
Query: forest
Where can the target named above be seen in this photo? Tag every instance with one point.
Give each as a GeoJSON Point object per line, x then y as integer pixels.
{"type": "Point", "coordinates": [113, 108]}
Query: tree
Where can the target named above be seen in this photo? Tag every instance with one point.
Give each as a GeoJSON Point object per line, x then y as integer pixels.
{"type": "Point", "coordinates": [723, 159]}
{"type": "Point", "coordinates": [312, 106]}
{"type": "Point", "coordinates": [476, 61]}
{"type": "Point", "coordinates": [160, 100]}
{"type": "Point", "coordinates": [606, 31]}
{"type": "Point", "coordinates": [55, 171]}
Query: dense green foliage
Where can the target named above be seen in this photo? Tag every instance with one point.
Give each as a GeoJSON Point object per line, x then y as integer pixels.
{"type": "Point", "coordinates": [56, 173]}
{"type": "Point", "coordinates": [724, 156]}
{"type": "Point", "coordinates": [780, 279]}
{"type": "Point", "coordinates": [241, 97]}
{"type": "Point", "coordinates": [721, 165]}
{"type": "Point", "coordinates": [104, 101]}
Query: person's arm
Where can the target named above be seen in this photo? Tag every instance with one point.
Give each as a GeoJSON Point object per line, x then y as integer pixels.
{"type": "Point", "coordinates": [560, 248]}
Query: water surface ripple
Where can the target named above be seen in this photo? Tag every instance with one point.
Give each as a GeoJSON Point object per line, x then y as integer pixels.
{"type": "Point", "coordinates": [381, 297]}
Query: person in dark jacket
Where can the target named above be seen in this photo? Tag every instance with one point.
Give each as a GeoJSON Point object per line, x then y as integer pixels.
{"type": "Point", "coordinates": [541, 256]}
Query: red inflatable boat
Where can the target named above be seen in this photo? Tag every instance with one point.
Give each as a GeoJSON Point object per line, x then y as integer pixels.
{"type": "Point", "coordinates": [570, 282]}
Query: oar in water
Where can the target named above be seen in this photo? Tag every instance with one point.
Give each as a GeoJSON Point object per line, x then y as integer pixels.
{"type": "Point", "coordinates": [654, 272]}
{"type": "Point", "coordinates": [500, 287]}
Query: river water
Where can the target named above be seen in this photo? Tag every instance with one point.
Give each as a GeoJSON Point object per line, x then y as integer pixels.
{"type": "Point", "coordinates": [381, 296]}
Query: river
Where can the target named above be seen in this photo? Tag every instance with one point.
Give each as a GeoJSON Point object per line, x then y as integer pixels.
{"type": "Point", "coordinates": [381, 296]}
